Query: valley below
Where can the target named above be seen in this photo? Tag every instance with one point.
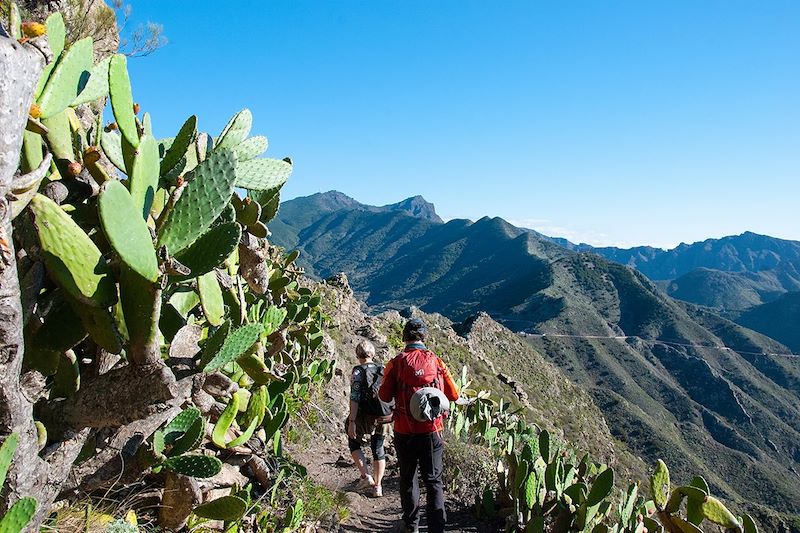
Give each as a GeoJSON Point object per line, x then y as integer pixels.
{"type": "Point", "coordinates": [671, 379]}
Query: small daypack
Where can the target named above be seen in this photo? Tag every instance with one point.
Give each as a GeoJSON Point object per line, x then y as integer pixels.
{"type": "Point", "coordinates": [417, 369]}
{"type": "Point", "coordinates": [371, 378]}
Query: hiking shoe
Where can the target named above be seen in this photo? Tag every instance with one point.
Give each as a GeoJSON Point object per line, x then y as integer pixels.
{"type": "Point", "coordinates": [377, 491]}
{"type": "Point", "coordinates": [366, 482]}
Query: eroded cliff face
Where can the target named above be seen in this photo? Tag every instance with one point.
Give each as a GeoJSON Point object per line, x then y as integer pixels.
{"type": "Point", "coordinates": [497, 360]}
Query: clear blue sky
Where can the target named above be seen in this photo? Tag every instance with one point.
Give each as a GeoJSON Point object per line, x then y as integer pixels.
{"type": "Point", "coordinates": [608, 122]}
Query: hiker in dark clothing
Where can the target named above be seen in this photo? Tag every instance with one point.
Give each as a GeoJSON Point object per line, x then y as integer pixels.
{"type": "Point", "coordinates": [367, 418]}
{"type": "Point", "coordinates": [421, 386]}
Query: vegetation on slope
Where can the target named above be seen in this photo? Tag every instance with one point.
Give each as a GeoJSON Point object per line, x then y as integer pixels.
{"type": "Point", "coordinates": [150, 335]}
{"type": "Point", "coordinates": [776, 319]}
{"type": "Point", "coordinates": [670, 384]}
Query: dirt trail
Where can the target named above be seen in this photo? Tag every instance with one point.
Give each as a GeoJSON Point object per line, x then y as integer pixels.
{"type": "Point", "coordinates": [329, 464]}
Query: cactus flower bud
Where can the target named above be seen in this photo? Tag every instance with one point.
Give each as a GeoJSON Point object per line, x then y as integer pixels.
{"type": "Point", "coordinates": [91, 155]}
{"type": "Point", "coordinates": [179, 181]}
{"type": "Point", "coordinates": [136, 109]}
{"type": "Point", "coordinates": [35, 111]}
{"type": "Point", "coordinates": [112, 126]}
{"type": "Point", "coordinates": [33, 29]}
{"type": "Point", "coordinates": [74, 168]}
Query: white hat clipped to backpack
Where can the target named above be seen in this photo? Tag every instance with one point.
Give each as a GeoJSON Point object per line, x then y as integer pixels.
{"type": "Point", "coordinates": [428, 403]}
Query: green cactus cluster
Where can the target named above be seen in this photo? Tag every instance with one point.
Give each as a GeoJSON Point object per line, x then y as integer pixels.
{"type": "Point", "coordinates": [18, 515]}
{"type": "Point", "coordinates": [543, 486]}
{"type": "Point", "coordinates": [140, 237]}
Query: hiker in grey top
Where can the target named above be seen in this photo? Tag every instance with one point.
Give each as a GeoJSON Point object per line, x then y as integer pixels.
{"type": "Point", "coordinates": [368, 417]}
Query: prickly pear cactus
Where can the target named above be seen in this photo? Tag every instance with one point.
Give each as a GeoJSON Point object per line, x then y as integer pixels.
{"type": "Point", "coordinates": [72, 259]}
{"type": "Point", "coordinates": [206, 195]}
{"type": "Point", "coordinates": [140, 254]}
{"type": "Point", "coordinates": [236, 344]}
{"type": "Point", "coordinates": [63, 84]}
{"type": "Point", "coordinates": [263, 174]}
{"type": "Point", "coordinates": [211, 249]}
{"type": "Point", "coordinates": [126, 230]}
{"type": "Point", "coordinates": [201, 466]}
{"type": "Point", "coordinates": [20, 514]}
{"type": "Point", "coordinates": [226, 508]}
{"type": "Point", "coordinates": [119, 87]}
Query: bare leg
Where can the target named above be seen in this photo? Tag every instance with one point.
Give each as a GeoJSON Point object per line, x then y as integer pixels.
{"type": "Point", "coordinates": [360, 461]}
{"type": "Point", "coordinates": [378, 468]}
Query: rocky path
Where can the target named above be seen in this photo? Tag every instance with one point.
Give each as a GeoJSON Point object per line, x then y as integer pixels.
{"type": "Point", "coordinates": [329, 464]}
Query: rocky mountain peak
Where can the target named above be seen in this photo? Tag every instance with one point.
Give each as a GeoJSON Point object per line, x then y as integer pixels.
{"type": "Point", "coordinates": [417, 206]}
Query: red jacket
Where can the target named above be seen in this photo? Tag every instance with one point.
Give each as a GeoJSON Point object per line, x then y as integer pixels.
{"type": "Point", "coordinates": [403, 421]}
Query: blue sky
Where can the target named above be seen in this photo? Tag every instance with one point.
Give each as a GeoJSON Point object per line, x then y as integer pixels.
{"type": "Point", "coordinates": [613, 123]}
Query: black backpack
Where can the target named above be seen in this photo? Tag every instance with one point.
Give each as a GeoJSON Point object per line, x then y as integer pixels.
{"type": "Point", "coordinates": [371, 378]}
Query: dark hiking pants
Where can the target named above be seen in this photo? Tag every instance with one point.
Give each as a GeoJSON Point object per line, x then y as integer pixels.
{"type": "Point", "coordinates": [421, 453]}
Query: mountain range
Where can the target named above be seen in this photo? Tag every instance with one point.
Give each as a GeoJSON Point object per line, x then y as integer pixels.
{"type": "Point", "coordinates": [674, 379]}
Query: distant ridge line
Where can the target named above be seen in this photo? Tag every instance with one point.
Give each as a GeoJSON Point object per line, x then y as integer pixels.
{"type": "Point", "coordinates": [656, 341]}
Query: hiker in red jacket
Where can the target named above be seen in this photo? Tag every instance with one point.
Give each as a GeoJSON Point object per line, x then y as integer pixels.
{"type": "Point", "coordinates": [422, 388]}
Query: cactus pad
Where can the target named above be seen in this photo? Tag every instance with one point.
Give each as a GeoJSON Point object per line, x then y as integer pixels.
{"type": "Point", "coordinates": [56, 37]}
{"type": "Point", "coordinates": [191, 439]}
{"type": "Point", "coordinates": [236, 343]}
{"type": "Point", "coordinates": [18, 516]}
{"type": "Point", "coordinates": [144, 178]}
{"type": "Point", "coordinates": [262, 174]}
{"type": "Point", "coordinates": [749, 524]}
{"type": "Point", "coordinates": [225, 421]}
{"type": "Point", "coordinates": [241, 439]}
{"type": "Point", "coordinates": [59, 138]}
{"type": "Point", "coordinates": [270, 201]}
{"type": "Point", "coordinates": [71, 257]}
{"type": "Point", "coordinates": [252, 147]}
{"type": "Point", "coordinates": [201, 202]}
{"type": "Point", "coordinates": [181, 143]}
{"type": "Point", "coordinates": [236, 130]}
{"type": "Point", "coordinates": [56, 33]}
{"type": "Point", "coordinates": [214, 343]}
{"type": "Point", "coordinates": [226, 508]}
{"type": "Point", "coordinates": [184, 301]}
{"type": "Point", "coordinates": [112, 147]}
{"type": "Point", "coordinates": [119, 88]}
{"type": "Point", "coordinates": [211, 298]}
{"type": "Point", "coordinates": [276, 423]}
{"type": "Point", "coordinates": [64, 82]}
{"type": "Point", "coordinates": [714, 511]}
{"type": "Point", "coordinates": [201, 466]}
{"type": "Point", "coordinates": [100, 325]}
{"type": "Point", "coordinates": [659, 485]}
{"type": "Point", "coordinates": [183, 433]}
{"type": "Point", "coordinates": [602, 487]}
{"type": "Point", "coordinates": [97, 86]}
{"type": "Point", "coordinates": [257, 406]}
{"type": "Point", "coordinates": [211, 249]}
{"type": "Point", "coordinates": [254, 366]}
{"type": "Point", "coordinates": [126, 230]}
{"type": "Point", "coordinates": [7, 455]}
{"type": "Point", "coordinates": [182, 422]}
{"type": "Point", "coordinates": [273, 319]}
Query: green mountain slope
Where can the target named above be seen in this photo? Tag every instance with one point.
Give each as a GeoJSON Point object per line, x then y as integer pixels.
{"type": "Point", "coordinates": [748, 252]}
{"type": "Point", "coordinates": [726, 291]}
{"type": "Point", "coordinates": [674, 381]}
{"type": "Point", "coordinates": [497, 359]}
{"type": "Point", "coordinates": [778, 319]}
